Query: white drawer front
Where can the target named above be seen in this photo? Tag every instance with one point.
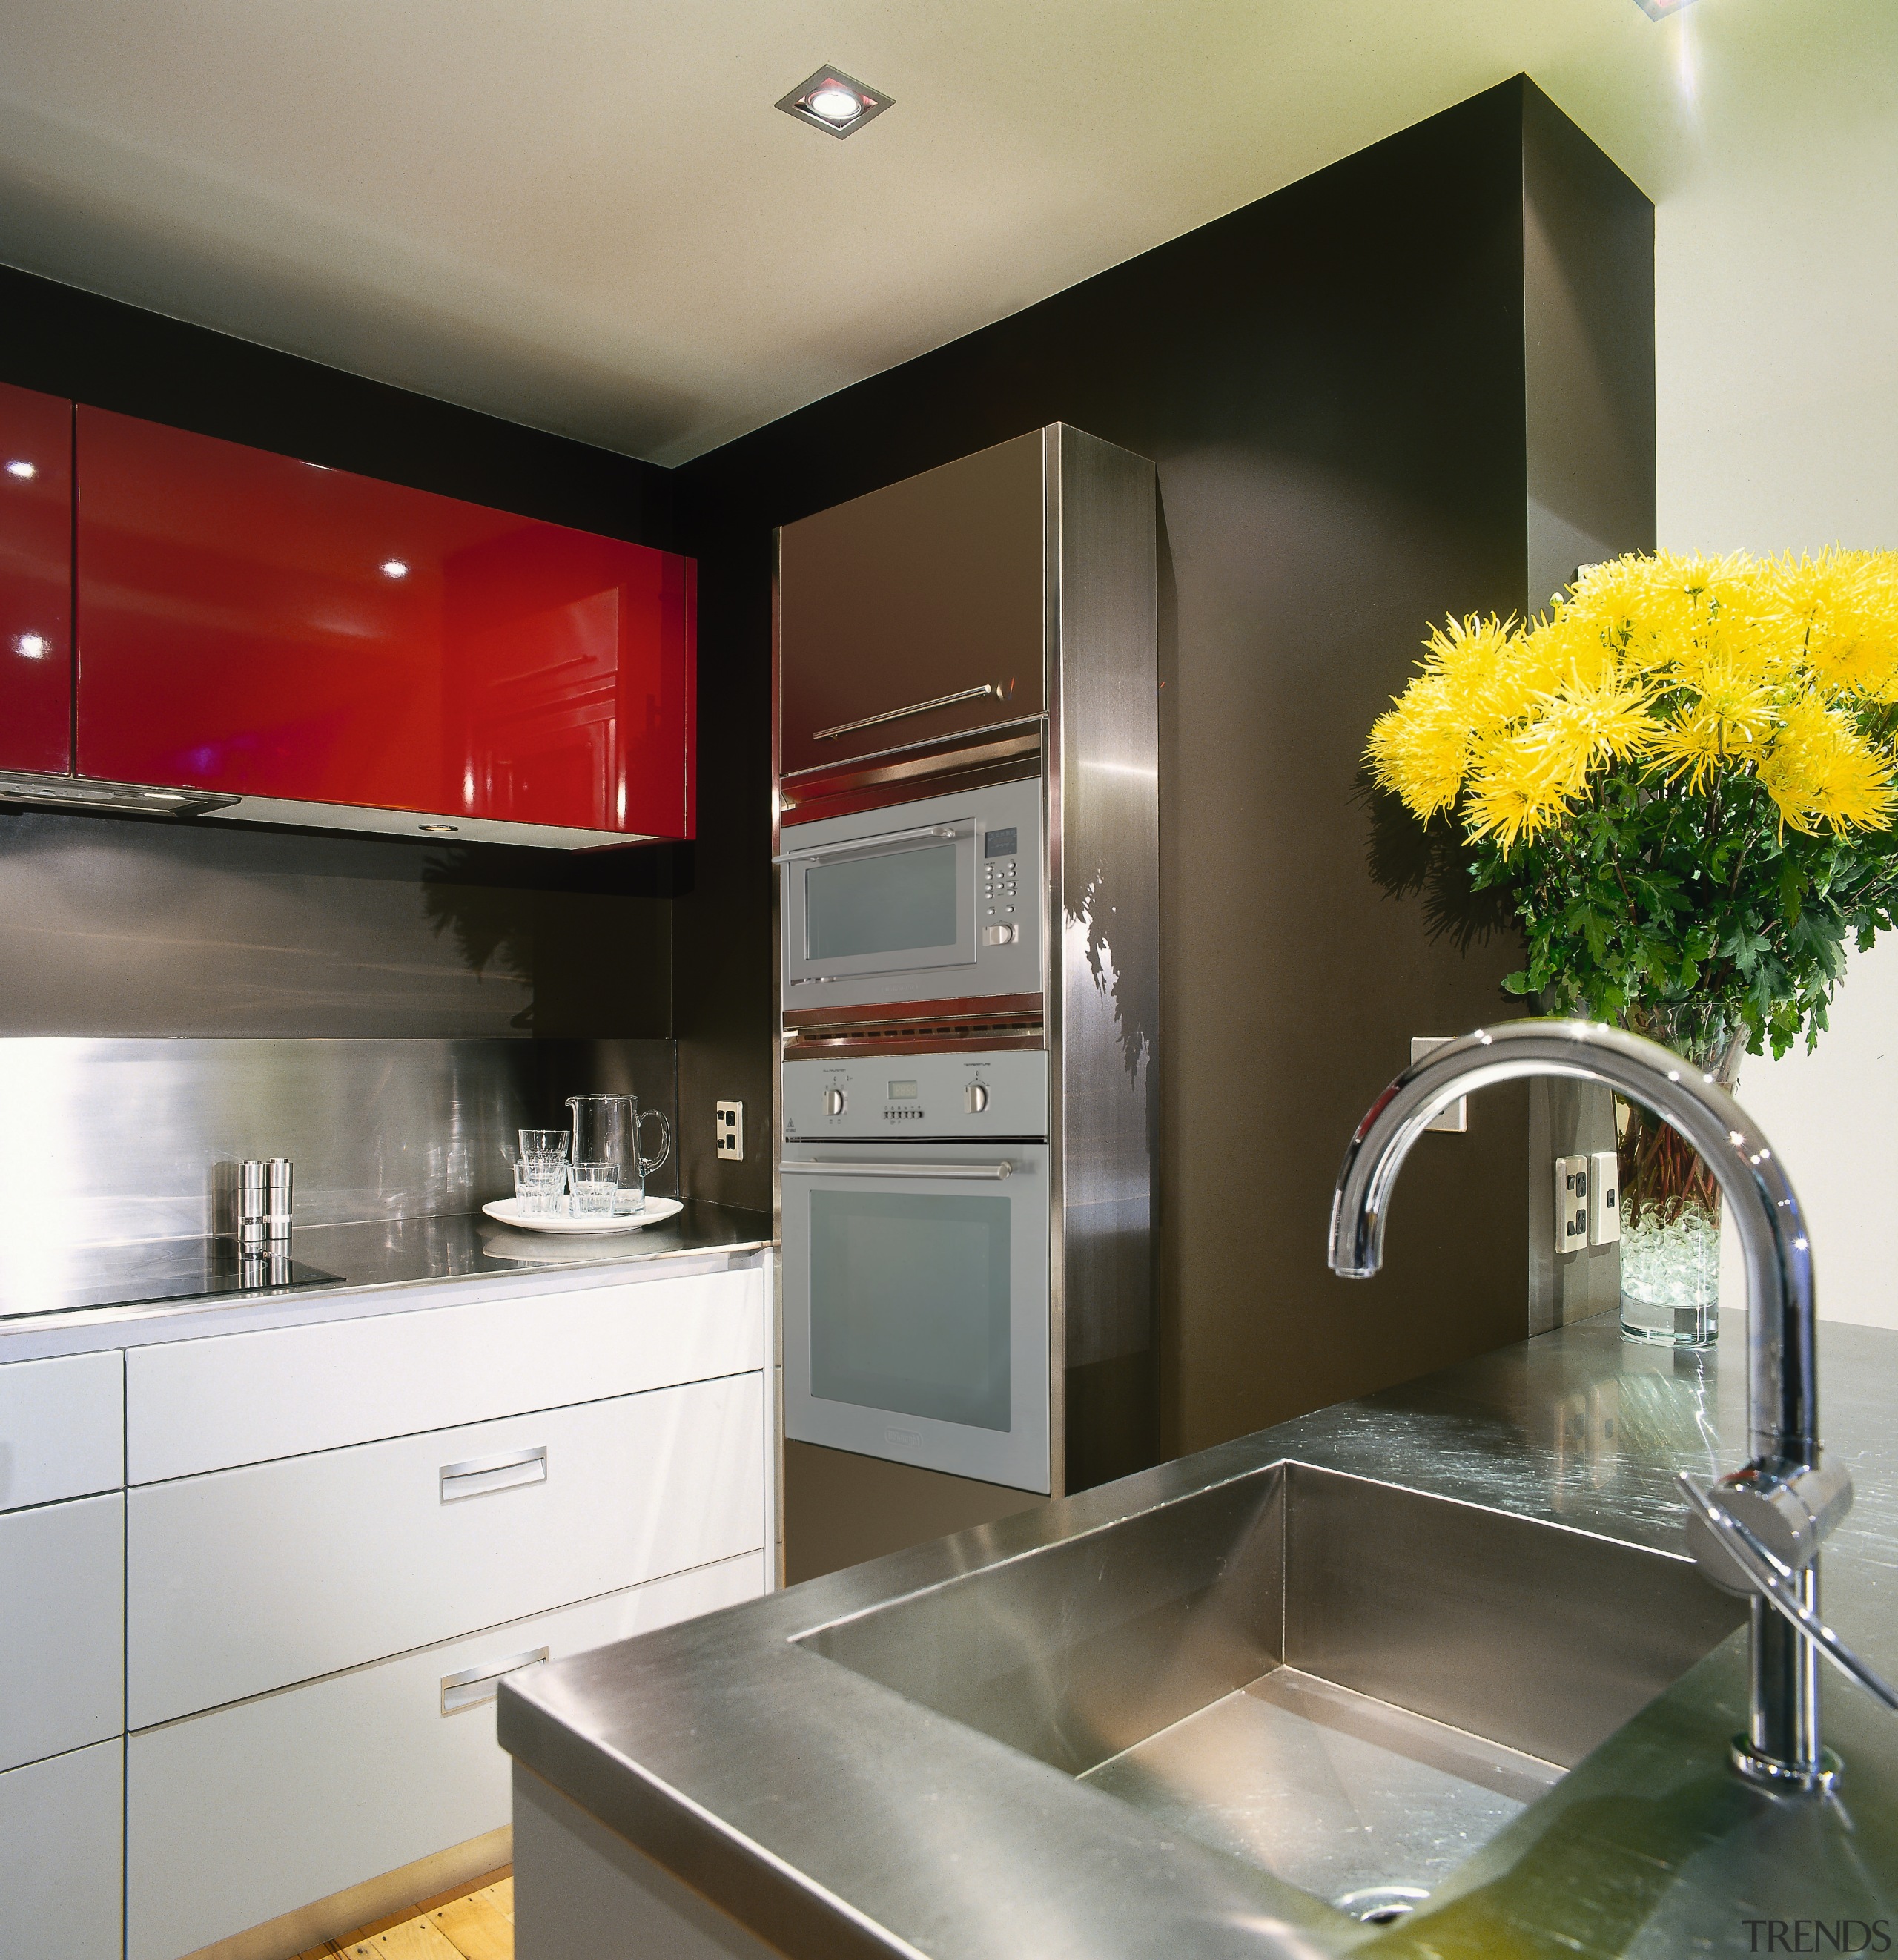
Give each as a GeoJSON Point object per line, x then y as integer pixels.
{"type": "Point", "coordinates": [196, 1405]}
{"type": "Point", "coordinates": [250, 1580]}
{"type": "Point", "coordinates": [62, 1428]}
{"type": "Point", "coordinates": [62, 1627]}
{"type": "Point", "coordinates": [235, 1817]}
{"type": "Point", "coordinates": [60, 1832]}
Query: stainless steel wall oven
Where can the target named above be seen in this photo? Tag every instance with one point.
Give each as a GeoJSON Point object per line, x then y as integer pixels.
{"type": "Point", "coordinates": [968, 969]}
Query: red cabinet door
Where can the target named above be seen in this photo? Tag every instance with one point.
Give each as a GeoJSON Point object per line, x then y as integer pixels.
{"type": "Point", "coordinates": [36, 581]}
{"type": "Point", "coordinates": [258, 626]}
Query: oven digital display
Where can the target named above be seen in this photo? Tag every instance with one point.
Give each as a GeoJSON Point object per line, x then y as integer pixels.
{"type": "Point", "coordinates": [1000, 843]}
{"type": "Point", "coordinates": [902, 1092]}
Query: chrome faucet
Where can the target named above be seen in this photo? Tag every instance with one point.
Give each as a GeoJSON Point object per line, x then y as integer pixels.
{"type": "Point", "coordinates": [1757, 1530]}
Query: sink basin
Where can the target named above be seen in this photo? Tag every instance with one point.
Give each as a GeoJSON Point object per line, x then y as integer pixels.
{"type": "Point", "coordinates": [1350, 1684]}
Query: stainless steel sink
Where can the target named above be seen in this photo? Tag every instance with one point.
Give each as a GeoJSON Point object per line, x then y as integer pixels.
{"type": "Point", "coordinates": [1350, 1684]}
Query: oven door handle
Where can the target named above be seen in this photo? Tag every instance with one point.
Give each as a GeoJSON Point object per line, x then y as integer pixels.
{"type": "Point", "coordinates": [868, 847]}
{"type": "Point", "coordinates": [862, 1167]}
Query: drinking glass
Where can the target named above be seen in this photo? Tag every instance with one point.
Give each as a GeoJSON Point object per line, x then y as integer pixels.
{"type": "Point", "coordinates": [538, 1182]}
{"type": "Point", "coordinates": [595, 1185]}
{"type": "Point", "coordinates": [544, 1143]}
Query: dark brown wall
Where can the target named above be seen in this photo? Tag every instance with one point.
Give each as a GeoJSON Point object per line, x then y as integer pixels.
{"type": "Point", "coordinates": [1588, 238]}
{"type": "Point", "coordinates": [1332, 383]}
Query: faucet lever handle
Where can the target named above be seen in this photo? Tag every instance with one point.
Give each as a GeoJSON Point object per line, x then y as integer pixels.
{"type": "Point", "coordinates": [1776, 1582]}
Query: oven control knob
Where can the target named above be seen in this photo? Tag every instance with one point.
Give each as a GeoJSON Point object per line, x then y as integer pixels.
{"type": "Point", "coordinates": [834, 1100]}
{"type": "Point", "coordinates": [976, 1095]}
{"type": "Point", "coordinates": [1000, 935]}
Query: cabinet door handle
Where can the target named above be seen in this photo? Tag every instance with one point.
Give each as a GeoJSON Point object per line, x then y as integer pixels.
{"type": "Point", "coordinates": [475, 1687]}
{"type": "Point", "coordinates": [985, 691]}
{"type": "Point", "coordinates": [493, 1473]}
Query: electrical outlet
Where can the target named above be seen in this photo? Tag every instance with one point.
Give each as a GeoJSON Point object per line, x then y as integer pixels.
{"type": "Point", "coordinates": [728, 1125]}
{"type": "Point", "coordinates": [1571, 1204]}
{"type": "Point", "coordinates": [1457, 1117]}
{"type": "Point", "coordinates": [1604, 1198]}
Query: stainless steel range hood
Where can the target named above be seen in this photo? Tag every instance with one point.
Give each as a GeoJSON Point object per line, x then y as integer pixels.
{"type": "Point", "coordinates": [52, 792]}
{"type": "Point", "coordinates": [81, 793]}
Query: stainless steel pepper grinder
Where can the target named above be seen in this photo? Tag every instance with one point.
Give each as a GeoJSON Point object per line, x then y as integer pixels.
{"type": "Point", "coordinates": [252, 1205]}
{"type": "Point", "coordinates": [277, 1207]}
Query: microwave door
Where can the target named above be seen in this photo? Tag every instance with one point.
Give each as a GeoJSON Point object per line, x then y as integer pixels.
{"type": "Point", "coordinates": [901, 903]}
{"type": "Point", "coordinates": [916, 1298]}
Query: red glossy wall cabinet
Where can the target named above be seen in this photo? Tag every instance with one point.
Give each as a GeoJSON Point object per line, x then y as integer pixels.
{"type": "Point", "coordinates": [36, 581]}
{"type": "Point", "coordinates": [270, 629]}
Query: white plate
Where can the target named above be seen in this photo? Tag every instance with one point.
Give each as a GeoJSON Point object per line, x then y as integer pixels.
{"type": "Point", "coordinates": [508, 1212]}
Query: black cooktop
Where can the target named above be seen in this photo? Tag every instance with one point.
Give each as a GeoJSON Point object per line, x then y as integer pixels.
{"type": "Point", "coordinates": [168, 1269]}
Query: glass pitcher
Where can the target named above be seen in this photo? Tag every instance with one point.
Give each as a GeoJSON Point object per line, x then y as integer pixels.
{"type": "Point", "coordinates": [606, 1131]}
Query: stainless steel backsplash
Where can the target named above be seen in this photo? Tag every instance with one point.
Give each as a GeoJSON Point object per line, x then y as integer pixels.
{"type": "Point", "coordinates": [111, 1142]}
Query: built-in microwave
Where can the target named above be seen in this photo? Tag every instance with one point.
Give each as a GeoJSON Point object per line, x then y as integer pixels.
{"type": "Point", "coordinates": [940, 899]}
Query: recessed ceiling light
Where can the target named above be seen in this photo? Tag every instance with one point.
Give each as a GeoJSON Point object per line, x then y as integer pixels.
{"type": "Point", "coordinates": [393, 567]}
{"type": "Point", "coordinates": [438, 829]}
{"type": "Point", "coordinates": [34, 646]}
{"type": "Point", "coordinates": [835, 102]}
{"type": "Point", "coordinates": [21, 469]}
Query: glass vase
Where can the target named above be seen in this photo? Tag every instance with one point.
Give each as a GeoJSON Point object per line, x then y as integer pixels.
{"type": "Point", "coordinates": [1670, 1203]}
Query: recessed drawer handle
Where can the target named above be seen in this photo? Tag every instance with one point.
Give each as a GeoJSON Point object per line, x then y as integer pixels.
{"type": "Point", "coordinates": [475, 1687]}
{"type": "Point", "coordinates": [493, 1473]}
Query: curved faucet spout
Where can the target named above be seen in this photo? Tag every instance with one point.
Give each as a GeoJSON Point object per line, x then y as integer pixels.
{"type": "Point", "coordinates": [1783, 1381]}
{"type": "Point", "coordinates": [1786, 1499]}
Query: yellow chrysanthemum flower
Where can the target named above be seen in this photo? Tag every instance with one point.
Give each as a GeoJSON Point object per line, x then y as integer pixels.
{"type": "Point", "coordinates": [1730, 721]}
{"type": "Point", "coordinates": [1841, 610]}
{"type": "Point", "coordinates": [1419, 750]}
{"type": "Point", "coordinates": [1690, 666]}
{"type": "Point", "coordinates": [1520, 783]}
{"type": "Point", "coordinates": [1820, 770]}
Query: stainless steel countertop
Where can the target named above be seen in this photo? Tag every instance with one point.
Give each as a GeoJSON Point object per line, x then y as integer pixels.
{"type": "Point", "coordinates": [835, 1817]}
{"type": "Point", "coordinates": [379, 1267]}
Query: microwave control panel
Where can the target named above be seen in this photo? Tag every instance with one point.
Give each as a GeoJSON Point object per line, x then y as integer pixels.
{"type": "Point", "coordinates": [907, 1098]}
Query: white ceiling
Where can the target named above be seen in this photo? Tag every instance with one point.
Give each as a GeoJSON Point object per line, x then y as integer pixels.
{"type": "Point", "coordinates": [586, 215]}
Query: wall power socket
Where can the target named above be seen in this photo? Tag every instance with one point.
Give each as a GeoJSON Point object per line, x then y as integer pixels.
{"type": "Point", "coordinates": [1588, 1201]}
{"type": "Point", "coordinates": [728, 1126]}
{"type": "Point", "coordinates": [1571, 1204]}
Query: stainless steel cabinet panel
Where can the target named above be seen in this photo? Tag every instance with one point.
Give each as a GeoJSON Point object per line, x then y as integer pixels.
{"type": "Point", "coordinates": [196, 1405]}
{"type": "Point", "coordinates": [62, 1428]}
{"type": "Point", "coordinates": [60, 1833]}
{"type": "Point", "coordinates": [62, 1627]}
{"type": "Point", "coordinates": [235, 1817]}
{"type": "Point", "coordinates": [928, 590]}
{"type": "Point", "coordinates": [250, 1580]}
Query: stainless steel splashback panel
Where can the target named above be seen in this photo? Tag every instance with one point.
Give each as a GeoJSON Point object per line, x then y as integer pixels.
{"type": "Point", "coordinates": [115, 1142]}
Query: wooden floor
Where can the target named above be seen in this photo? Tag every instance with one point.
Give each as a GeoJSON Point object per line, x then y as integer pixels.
{"type": "Point", "coordinates": [476, 1923]}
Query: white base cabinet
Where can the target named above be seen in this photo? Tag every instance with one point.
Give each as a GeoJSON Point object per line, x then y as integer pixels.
{"type": "Point", "coordinates": [293, 1562]}
{"type": "Point", "coordinates": [237, 1816]}
{"type": "Point", "coordinates": [62, 1603]}
{"type": "Point", "coordinates": [246, 1580]}
{"type": "Point", "coordinates": [60, 1857]}
{"type": "Point", "coordinates": [63, 1423]}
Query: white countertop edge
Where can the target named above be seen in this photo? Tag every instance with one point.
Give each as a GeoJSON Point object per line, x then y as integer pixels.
{"type": "Point", "coordinates": [90, 1330]}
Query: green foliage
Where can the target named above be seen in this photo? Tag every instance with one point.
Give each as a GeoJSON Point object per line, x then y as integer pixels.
{"type": "Point", "coordinates": [1654, 896]}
